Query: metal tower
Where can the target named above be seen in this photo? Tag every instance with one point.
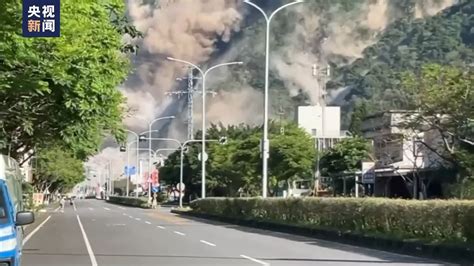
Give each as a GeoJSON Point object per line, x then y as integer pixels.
{"type": "Point", "coordinates": [190, 100]}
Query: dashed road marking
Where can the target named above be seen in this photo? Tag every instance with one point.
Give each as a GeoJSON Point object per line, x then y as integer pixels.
{"type": "Point", "coordinates": [207, 243]}
{"type": "Point", "coordinates": [179, 233]}
{"type": "Point", "coordinates": [161, 227]}
{"type": "Point", "coordinates": [138, 219]}
{"type": "Point", "coordinates": [255, 260]}
{"type": "Point", "coordinates": [91, 209]}
{"type": "Point", "coordinates": [147, 222]}
{"type": "Point", "coordinates": [107, 209]}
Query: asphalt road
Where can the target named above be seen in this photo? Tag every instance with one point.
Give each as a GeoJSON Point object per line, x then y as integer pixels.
{"type": "Point", "coordinates": [99, 234]}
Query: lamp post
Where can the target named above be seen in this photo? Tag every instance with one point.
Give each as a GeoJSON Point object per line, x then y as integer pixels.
{"type": "Point", "coordinates": [136, 165]}
{"type": "Point", "coordinates": [149, 143]}
{"type": "Point", "coordinates": [203, 139]}
{"type": "Point", "coordinates": [265, 142]}
{"type": "Point", "coordinates": [150, 151]}
{"type": "Point", "coordinates": [181, 171]}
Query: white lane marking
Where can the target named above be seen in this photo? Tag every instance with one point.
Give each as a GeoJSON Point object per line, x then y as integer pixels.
{"type": "Point", "coordinates": [107, 209]}
{"type": "Point", "coordinates": [34, 231]}
{"type": "Point", "coordinates": [138, 219]}
{"type": "Point", "coordinates": [179, 233]}
{"type": "Point", "coordinates": [57, 209]}
{"type": "Point", "coordinates": [207, 243]}
{"type": "Point", "coordinates": [255, 260]}
{"type": "Point", "coordinates": [74, 206]}
{"type": "Point", "coordinates": [161, 227]}
{"type": "Point", "coordinates": [91, 209]}
{"type": "Point", "coordinates": [147, 222]}
{"type": "Point", "coordinates": [131, 217]}
{"type": "Point", "coordinates": [124, 214]}
{"type": "Point", "coordinates": [122, 208]}
{"type": "Point", "coordinates": [88, 245]}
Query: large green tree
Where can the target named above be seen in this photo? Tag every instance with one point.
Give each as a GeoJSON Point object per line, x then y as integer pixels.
{"type": "Point", "coordinates": [57, 170]}
{"type": "Point", "coordinates": [63, 89]}
{"type": "Point", "coordinates": [235, 168]}
{"type": "Point", "coordinates": [345, 157]}
{"type": "Point", "coordinates": [444, 99]}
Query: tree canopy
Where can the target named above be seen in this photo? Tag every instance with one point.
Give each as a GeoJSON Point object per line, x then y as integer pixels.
{"type": "Point", "coordinates": [57, 170]}
{"type": "Point", "coordinates": [236, 166]}
{"type": "Point", "coordinates": [62, 89]}
{"type": "Point", "coordinates": [443, 97]}
{"type": "Point", "coordinates": [345, 157]}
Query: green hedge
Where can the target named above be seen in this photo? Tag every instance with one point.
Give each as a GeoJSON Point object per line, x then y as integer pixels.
{"type": "Point", "coordinates": [433, 221]}
{"type": "Point", "coordinates": [129, 201]}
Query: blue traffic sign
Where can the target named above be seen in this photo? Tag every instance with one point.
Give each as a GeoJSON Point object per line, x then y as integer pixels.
{"type": "Point", "coordinates": [130, 170]}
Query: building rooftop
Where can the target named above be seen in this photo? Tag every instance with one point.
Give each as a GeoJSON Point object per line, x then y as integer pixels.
{"type": "Point", "coordinates": [392, 111]}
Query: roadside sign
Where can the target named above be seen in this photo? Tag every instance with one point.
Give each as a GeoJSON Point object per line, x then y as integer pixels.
{"type": "Point", "coordinates": [154, 189]}
{"type": "Point", "coordinates": [368, 172]}
{"type": "Point", "coordinates": [205, 156]}
{"type": "Point", "coordinates": [130, 170]}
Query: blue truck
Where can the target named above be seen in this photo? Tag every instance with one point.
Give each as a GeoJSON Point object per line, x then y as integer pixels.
{"type": "Point", "coordinates": [12, 214]}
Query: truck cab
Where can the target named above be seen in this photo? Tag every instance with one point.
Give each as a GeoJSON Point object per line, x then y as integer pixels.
{"type": "Point", "coordinates": [12, 216]}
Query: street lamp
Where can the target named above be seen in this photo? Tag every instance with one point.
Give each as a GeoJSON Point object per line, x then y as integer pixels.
{"type": "Point", "coordinates": [222, 140]}
{"type": "Point", "coordinates": [149, 143]}
{"type": "Point", "coordinates": [136, 165]}
{"type": "Point", "coordinates": [266, 143]}
{"type": "Point", "coordinates": [203, 140]}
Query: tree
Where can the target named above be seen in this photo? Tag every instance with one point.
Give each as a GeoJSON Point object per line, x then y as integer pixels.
{"type": "Point", "coordinates": [443, 98]}
{"type": "Point", "coordinates": [361, 110]}
{"type": "Point", "coordinates": [345, 157]}
{"type": "Point", "coordinates": [235, 168]}
{"type": "Point", "coordinates": [292, 155]}
{"type": "Point", "coordinates": [62, 89]}
{"type": "Point", "coordinates": [57, 170]}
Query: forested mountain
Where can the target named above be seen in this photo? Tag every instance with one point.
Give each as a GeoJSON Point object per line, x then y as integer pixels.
{"type": "Point", "coordinates": [405, 46]}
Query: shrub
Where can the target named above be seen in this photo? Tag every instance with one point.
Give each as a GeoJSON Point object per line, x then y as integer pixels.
{"type": "Point", "coordinates": [433, 221]}
{"type": "Point", "coordinates": [129, 201]}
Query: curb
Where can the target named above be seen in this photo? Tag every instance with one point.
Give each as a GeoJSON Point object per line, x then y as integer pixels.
{"type": "Point", "coordinates": [449, 253]}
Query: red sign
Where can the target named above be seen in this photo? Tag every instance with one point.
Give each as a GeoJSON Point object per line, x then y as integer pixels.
{"type": "Point", "coordinates": [155, 176]}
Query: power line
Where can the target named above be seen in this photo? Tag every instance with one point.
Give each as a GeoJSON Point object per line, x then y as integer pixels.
{"type": "Point", "coordinates": [189, 92]}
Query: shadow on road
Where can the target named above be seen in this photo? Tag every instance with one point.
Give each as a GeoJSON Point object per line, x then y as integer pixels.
{"type": "Point", "coordinates": [378, 255]}
{"type": "Point", "coordinates": [211, 258]}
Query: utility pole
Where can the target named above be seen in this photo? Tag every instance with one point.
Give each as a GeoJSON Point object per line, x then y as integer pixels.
{"type": "Point", "coordinates": [281, 115]}
{"type": "Point", "coordinates": [189, 92]}
{"type": "Point", "coordinates": [322, 76]}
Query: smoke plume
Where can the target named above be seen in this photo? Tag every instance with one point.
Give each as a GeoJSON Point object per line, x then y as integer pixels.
{"type": "Point", "coordinates": [182, 29]}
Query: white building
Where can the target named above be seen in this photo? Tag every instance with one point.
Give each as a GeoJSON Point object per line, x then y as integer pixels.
{"type": "Point", "coordinates": [400, 153]}
{"type": "Point", "coordinates": [320, 121]}
{"type": "Point", "coordinates": [398, 147]}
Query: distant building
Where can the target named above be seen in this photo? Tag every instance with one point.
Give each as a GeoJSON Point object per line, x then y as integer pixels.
{"type": "Point", "coordinates": [320, 121]}
{"type": "Point", "coordinates": [399, 152]}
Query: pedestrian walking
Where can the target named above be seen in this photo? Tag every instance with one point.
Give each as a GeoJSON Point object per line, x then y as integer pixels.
{"type": "Point", "coordinates": [154, 201]}
{"type": "Point", "coordinates": [61, 204]}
